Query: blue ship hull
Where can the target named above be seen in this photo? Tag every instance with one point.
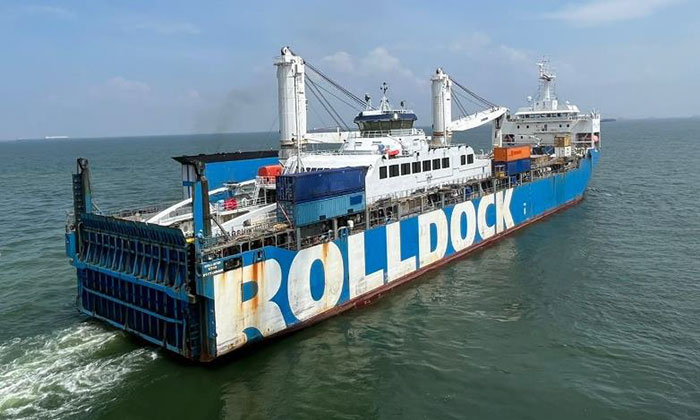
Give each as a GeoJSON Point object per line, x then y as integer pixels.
{"type": "Point", "coordinates": [258, 294]}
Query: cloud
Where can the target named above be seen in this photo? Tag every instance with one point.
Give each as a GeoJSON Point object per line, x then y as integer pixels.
{"type": "Point", "coordinates": [341, 61]}
{"type": "Point", "coordinates": [131, 86]}
{"type": "Point", "coordinates": [515, 55]}
{"type": "Point", "coordinates": [120, 88]}
{"type": "Point", "coordinates": [479, 46]}
{"type": "Point", "coordinates": [377, 62]}
{"type": "Point", "coordinates": [473, 43]}
{"type": "Point", "coordinates": [164, 27]}
{"type": "Point", "coordinates": [45, 10]}
{"type": "Point", "coordinates": [598, 12]}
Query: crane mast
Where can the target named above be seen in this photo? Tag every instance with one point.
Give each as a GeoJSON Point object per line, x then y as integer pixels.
{"type": "Point", "coordinates": [292, 103]}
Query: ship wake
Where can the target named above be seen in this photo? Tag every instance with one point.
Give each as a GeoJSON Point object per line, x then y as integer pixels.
{"type": "Point", "coordinates": [63, 373]}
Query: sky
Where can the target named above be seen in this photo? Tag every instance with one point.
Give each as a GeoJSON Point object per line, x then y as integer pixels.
{"type": "Point", "coordinates": [118, 68]}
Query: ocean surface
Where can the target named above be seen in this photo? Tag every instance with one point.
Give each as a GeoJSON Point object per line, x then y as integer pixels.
{"type": "Point", "coordinates": [591, 313]}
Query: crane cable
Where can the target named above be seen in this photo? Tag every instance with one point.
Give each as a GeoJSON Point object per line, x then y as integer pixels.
{"type": "Point", "coordinates": [474, 95]}
{"type": "Point", "coordinates": [313, 87]}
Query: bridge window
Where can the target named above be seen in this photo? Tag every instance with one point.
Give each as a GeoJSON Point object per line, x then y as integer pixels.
{"type": "Point", "coordinates": [382, 172]}
{"type": "Point", "coordinates": [445, 162]}
{"type": "Point", "coordinates": [393, 170]}
{"type": "Point", "coordinates": [405, 169]}
{"type": "Point", "coordinates": [436, 164]}
{"type": "Point", "coordinates": [470, 159]}
{"type": "Point", "coordinates": [426, 165]}
{"type": "Point", "coordinates": [416, 167]}
{"type": "Point", "coordinates": [463, 160]}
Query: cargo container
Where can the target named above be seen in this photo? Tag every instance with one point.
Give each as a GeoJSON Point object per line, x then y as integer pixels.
{"type": "Point", "coordinates": [562, 141]}
{"type": "Point", "coordinates": [512, 168]}
{"type": "Point", "coordinates": [307, 186]}
{"type": "Point", "coordinates": [309, 212]}
{"type": "Point", "coordinates": [510, 153]}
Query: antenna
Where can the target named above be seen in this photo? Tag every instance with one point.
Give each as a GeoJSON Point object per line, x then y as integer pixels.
{"type": "Point", "coordinates": [384, 104]}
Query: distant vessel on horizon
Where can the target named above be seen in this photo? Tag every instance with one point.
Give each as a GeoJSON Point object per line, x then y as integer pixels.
{"type": "Point", "coordinates": [55, 137]}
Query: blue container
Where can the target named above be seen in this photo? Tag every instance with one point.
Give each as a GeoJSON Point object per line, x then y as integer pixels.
{"type": "Point", "coordinates": [308, 186]}
{"type": "Point", "coordinates": [309, 212]}
{"type": "Point", "coordinates": [513, 167]}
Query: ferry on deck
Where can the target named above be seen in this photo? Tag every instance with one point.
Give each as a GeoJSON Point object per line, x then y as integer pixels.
{"type": "Point", "coordinates": [264, 243]}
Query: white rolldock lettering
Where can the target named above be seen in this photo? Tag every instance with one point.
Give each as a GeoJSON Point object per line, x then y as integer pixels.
{"type": "Point", "coordinates": [504, 218]}
{"type": "Point", "coordinates": [485, 231]}
{"type": "Point", "coordinates": [395, 266]}
{"type": "Point", "coordinates": [426, 255]}
{"type": "Point", "coordinates": [460, 242]}
{"type": "Point", "coordinates": [233, 315]}
{"type": "Point", "coordinates": [360, 283]}
{"type": "Point", "coordinates": [301, 301]}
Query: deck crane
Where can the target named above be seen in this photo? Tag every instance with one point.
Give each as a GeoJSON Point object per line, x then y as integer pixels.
{"type": "Point", "coordinates": [444, 125]}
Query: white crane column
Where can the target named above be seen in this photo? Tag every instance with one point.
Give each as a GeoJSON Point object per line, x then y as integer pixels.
{"type": "Point", "coordinates": [292, 103]}
{"type": "Point", "coordinates": [442, 108]}
{"type": "Point", "coordinates": [498, 131]}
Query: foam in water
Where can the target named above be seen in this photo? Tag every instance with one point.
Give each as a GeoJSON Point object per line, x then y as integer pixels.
{"type": "Point", "coordinates": [63, 373]}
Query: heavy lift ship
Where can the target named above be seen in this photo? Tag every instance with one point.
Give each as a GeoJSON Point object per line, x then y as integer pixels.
{"type": "Point", "coordinates": [257, 249]}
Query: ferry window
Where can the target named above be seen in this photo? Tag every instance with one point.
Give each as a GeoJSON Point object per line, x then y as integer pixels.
{"type": "Point", "coordinates": [463, 160]}
{"type": "Point", "coordinates": [567, 125]}
{"type": "Point", "coordinates": [559, 125]}
{"type": "Point", "coordinates": [405, 169]}
{"type": "Point", "coordinates": [382, 172]}
{"type": "Point", "coordinates": [426, 165]}
{"type": "Point", "coordinates": [436, 164]}
{"type": "Point", "coordinates": [446, 162]}
{"type": "Point", "coordinates": [393, 170]}
{"type": "Point", "coordinates": [416, 167]}
{"type": "Point", "coordinates": [470, 159]}
{"type": "Point", "coordinates": [527, 126]}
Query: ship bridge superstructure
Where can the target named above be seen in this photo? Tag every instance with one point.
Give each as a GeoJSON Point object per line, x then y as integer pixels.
{"type": "Point", "coordinates": [545, 118]}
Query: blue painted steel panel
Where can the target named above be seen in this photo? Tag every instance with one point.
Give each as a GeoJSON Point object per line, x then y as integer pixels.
{"type": "Point", "coordinates": [307, 186]}
{"type": "Point", "coordinates": [308, 212]}
{"type": "Point", "coordinates": [514, 167]}
{"type": "Point", "coordinates": [219, 173]}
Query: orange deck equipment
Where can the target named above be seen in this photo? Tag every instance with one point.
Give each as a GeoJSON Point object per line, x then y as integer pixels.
{"type": "Point", "coordinates": [270, 171]}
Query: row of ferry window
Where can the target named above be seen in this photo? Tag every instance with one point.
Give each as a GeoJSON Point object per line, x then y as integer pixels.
{"type": "Point", "coordinates": [424, 166]}
{"type": "Point", "coordinates": [559, 114]}
{"type": "Point", "coordinates": [545, 126]}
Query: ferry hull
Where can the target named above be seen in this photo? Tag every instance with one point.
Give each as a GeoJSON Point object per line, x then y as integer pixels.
{"type": "Point", "coordinates": [267, 292]}
{"type": "Point", "coordinates": [277, 291]}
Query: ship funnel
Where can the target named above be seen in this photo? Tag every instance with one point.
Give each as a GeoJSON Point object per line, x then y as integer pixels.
{"type": "Point", "coordinates": [292, 102]}
{"type": "Point", "coordinates": [442, 108]}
